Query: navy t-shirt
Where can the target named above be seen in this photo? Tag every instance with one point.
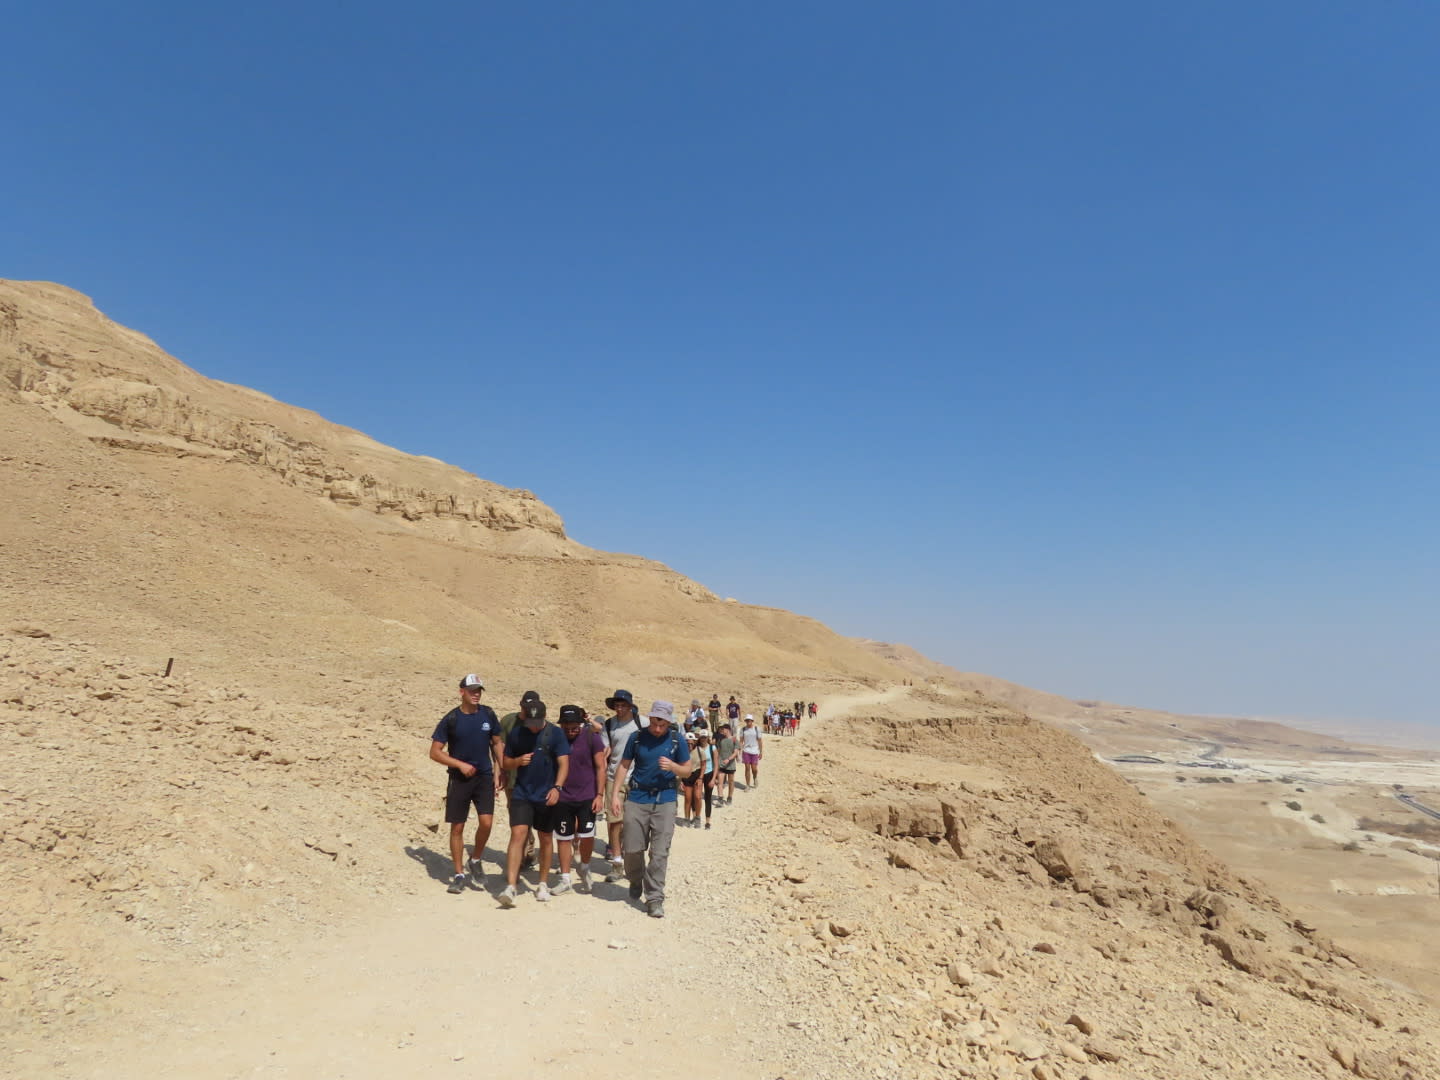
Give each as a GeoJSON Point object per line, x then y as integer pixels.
{"type": "Point", "coordinates": [652, 784]}
{"type": "Point", "coordinates": [534, 781]}
{"type": "Point", "coordinates": [473, 732]}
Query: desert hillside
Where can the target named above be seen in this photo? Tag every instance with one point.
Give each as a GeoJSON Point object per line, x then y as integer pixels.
{"type": "Point", "coordinates": [932, 881]}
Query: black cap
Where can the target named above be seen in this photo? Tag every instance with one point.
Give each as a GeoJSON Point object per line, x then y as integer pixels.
{"type": "Point", "coordinates": [572, 714]}
{"type": "Point", "coordinates": [620, 695]}
{"type": "Point", "coordinates": [529, 696]}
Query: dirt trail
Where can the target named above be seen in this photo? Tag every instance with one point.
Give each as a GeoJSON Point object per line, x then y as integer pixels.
{"type": "Point", "coordinates": [430, 982]}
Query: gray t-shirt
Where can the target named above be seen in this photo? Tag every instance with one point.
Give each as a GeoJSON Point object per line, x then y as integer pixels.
{"type": "Point", "coordinates": [618, 734]}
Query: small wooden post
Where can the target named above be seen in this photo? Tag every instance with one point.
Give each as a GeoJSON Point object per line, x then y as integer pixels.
{"type": "Point", "coordinates": [168, 665]}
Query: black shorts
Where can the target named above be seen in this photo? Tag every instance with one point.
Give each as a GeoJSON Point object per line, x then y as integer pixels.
{"type": "Point", "coordinates": [728, 772]}
{"type": "Point", "coordinates": [537, 815]}
{"type": "Point", "coordinates": [691, 780]}
{"type": "Point", "coordinates": [574, 820]}
{"type": "Point", "coordinates": [462, 791]}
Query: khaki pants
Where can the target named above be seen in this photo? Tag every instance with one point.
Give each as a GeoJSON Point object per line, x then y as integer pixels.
{"type": "Point", "coordinates": [649, 828]}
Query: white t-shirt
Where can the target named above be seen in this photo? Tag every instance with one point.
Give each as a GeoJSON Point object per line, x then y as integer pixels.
{"type": "Point", "coordinates": [750, 740]}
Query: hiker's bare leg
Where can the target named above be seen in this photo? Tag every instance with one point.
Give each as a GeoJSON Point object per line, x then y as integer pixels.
{"type": "Point", "coordinates": [515, 852]}
{"type": "Point", "coordinates": [457, 846]}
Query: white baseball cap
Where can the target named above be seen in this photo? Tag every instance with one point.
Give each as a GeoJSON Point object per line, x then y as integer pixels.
{"type": "Point", "coordinates": [471, 682]}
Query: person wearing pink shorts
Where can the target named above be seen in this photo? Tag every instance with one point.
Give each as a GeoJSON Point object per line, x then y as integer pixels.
{"type": "Point", "coordinates": [752, 749]}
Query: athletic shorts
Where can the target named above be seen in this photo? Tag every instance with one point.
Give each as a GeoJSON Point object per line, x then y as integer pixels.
{"type": "Point", "coordinates": [574, 821]}
{"type": "Point", "coordinates": [537, 815]}
{"type": "Point", "coordinates": [749, 759]}
{"type": "Point", "coordinates": [691, 780]}
{"type": "Point", "coordinates": [461, 792]}
{"type": "Point", "coordinates": [728, 772]}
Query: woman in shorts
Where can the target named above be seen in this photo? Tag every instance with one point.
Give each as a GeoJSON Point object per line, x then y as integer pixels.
{"type": "Point", "coordinates": [752, 749]}
{"type": "Point", "coordinates": [691, 786]}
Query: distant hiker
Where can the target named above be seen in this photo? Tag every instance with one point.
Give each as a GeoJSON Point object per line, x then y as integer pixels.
{"type": "Point", "coordinates": [727, 753]}
{"type": "Point", "coordinates": [695, 714]}
{"type": "Point", "coordinates": [812, 710]}
{"type": "Point", "coordinates": [752, 749]}
{"type": "Point", "coordinates": [706, 753]}
{"type": "Point", "coordinates": [540, 756]}
{"type": "Point", "coordinates": [581, 796]}
{"type": "Point", "coordinates": [732, 713]}
{"type": "Point", "coordinates": [467, 743]}
{"type": "Point", "coordinates": [653, 759]}
{"type": "Point", "coordinates": [618, 729]}
{"type": "Point", "coordinates": [714, 711]}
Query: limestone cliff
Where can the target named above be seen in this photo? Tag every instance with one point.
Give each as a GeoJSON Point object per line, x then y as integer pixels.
{"type": "Point", "coordinates": [121, 389]}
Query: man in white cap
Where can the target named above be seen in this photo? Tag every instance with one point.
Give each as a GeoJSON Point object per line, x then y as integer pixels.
{"type": "Point", "coordinates": [652, 761]}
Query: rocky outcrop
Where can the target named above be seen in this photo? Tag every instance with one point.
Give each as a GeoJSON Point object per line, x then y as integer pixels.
{"type": "Point", "coordinates": [122, 390]}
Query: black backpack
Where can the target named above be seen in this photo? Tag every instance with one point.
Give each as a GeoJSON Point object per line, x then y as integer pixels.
{"type": "Point", "coordinates": [674, 756]}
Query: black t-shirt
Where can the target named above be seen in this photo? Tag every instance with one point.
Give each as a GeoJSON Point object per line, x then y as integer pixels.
{"type": "Point", "coordinates": [473, 732]}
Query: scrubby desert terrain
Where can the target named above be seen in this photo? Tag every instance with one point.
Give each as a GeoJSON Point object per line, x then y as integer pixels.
{"type": "Point", "coordinates": [235, 869]}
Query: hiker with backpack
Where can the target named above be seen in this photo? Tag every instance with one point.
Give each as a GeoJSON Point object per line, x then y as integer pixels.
{"type": "Point", "coordinates": [618, 729]}
{"type": "Point", "coordinates": [467, 742]}
{"type": "Point", "coordinates": [540, 755]}
{"type": "Point", "coordinates": [653, 760]}
{"type": "Point", "coordinates": [727, 750]}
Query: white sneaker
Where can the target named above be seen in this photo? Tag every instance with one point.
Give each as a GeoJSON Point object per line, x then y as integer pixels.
{"type": "Point", "coordinates": [584, 885]}
{"type": "Point", "coordinates": [543, 892]}
{"type": "Point", "coordinates": [563, 885]}
{"type": "Point", "coordinates": [507, 896]}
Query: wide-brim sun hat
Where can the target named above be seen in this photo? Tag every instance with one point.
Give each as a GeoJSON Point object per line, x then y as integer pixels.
{"type": "Point", "coordinates": [661, 710]}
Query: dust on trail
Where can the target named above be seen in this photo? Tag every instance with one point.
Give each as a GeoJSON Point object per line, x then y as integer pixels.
{"type": "Point", "coordinates": [428, 982]}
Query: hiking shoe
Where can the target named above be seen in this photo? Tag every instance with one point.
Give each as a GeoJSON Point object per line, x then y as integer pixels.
{"type": "Point", "coordinates": [615, 873]}
{"type": "Point", "coordinates": [507, 896]}
{"type": "Point", "coordinates": [707, 824]}
{"type": "Point", "coordinates": [561, 886]}
{"type": "Point", "coordinates": [543, 892]}
{"type": "Point", "coordinates": [457, 884]}
{"type": "Point", "coordinates": [584, 885]}
{"type": "Point", "coordinates": [655, 909]}
{"type": "Point", "coordinates": [477, 874]}
{"type": "Point", "coordinates": [635, 890]}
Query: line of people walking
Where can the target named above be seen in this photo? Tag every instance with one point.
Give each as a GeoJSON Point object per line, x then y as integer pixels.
{"type": "Point", "coordinates": [562, 778]}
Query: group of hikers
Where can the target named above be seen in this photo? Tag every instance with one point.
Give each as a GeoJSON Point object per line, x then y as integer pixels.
{"type": "Point", "coordinates": [786, 720]}
{"type": "Point", "coordinates": [562, 778]}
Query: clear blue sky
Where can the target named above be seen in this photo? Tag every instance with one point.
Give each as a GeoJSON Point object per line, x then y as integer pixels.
{"type": "Point", "coordinates": [1089, 345]}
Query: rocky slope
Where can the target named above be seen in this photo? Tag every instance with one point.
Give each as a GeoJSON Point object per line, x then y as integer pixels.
{"type": "Point", "coordinates": [953, 887]}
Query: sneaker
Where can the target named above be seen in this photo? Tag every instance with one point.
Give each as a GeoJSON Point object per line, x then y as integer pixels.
{"type": "Point", "coordinates": [457, 884]}
{"type": "Point", "coordinates": [655, 909]}
{"type": "Point", "coordinates": [562, 886]}
{"type": "Point", "coordinates": [477, 874]}
{"type": "Point", "coordinates": [635, 890]}
{"type": "Point", "coordinates": [615, 874]}
{"type": "Point", "coordinates": [507, 896]}
{"type": "Point", "coordinates": [707, 824]}
{"type": "Point", "coordinates": [543, 892]}
{"type": "Point", "coordinates": [584, 885]}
